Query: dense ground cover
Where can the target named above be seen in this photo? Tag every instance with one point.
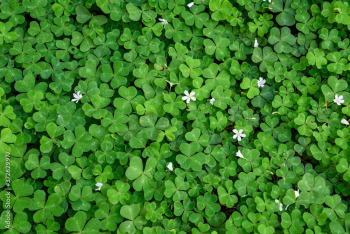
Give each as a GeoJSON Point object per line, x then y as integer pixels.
{"type": "Point", "coordinates": [171, 116]}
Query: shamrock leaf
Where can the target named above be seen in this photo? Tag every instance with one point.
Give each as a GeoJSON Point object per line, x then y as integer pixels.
{"type": "Point", "coordinates": [282, 40]}
{"type": "Point", "coordinates": [20, 199]}
{"type": "Point", "coordinates": [334, 86]}
{"type": "Point", "coordinates": [46, 209]}
{"type": "Point", "coordinates": [78, 223]}
{"type": "Point", "coordinates": [208, 202]}
{"type": "Point", "coordinates": [219, 47]}
{"type": "Point", "coordinates": [18, 224]}
{"type": "Point", "coordinates": [286, 15]}
{"type": "Point", "coordinates": [178, 190]}
{"type": "Point", "coordinates": [225, 196]}
{"type": "Point", "coordinates": [109, 215]}
{"type": "Point", "coordinates": [7, 36]}
{"type": "Point", "coordinates": [38, 167]}
{"type": "Point", "coordinates": [189, 158]}
{"type": "Point", "coordinates": [316, 57]}
{"type": "Point", "coordinates": [79, 140]}
{"type": "Point", "coordinates": [221, 9]}
{"type": "Point", "coordinates": [138, 174]}
{"type": "Point", "coordinates": [81, 197]}
{"type": "Point", "coordinates": [312, 188]}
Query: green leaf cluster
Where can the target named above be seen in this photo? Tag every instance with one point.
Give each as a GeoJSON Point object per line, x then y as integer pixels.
{"type": "Point", "coordinates": [174, 117]}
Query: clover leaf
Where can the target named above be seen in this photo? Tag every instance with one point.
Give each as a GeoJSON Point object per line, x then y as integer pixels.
{"type": "Point", "coordinates": [78, 223]}
{"type": "Point", "coordinates": [138, 174]}
{"type": "Point", "coordinates": [18, 224]}
{"type": "Point", "coordinates": [46, 209]}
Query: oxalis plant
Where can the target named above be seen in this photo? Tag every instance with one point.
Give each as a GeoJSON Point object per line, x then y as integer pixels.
{"type": "Point", "coordinates": [174, 117]}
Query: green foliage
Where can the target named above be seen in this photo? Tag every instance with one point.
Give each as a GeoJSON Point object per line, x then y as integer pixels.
{"type": "Point", "coordinates": [174, 117]}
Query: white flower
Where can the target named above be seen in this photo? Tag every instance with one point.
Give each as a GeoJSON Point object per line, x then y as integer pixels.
{"type": "Point", "coordinates": [99, 185]}
{"type": "Point", "coordinates": [239, 154]}
{"type": "Point", "coordinates": [189, 96]}
{"type": "Point", "coordinates": [296, 194]}
{"type": "Point", "coordinates": [256, 44]}
{"type": "Point", "coordinates": [261, 82]}
{"type": "Point", "coordinates": [212, 101]}
{"type": "Point", "coordinates": [77, 97]}
{"type": "Point", "coordinates": [163, 21]}
{"type": "Point", "coordinates": [269, 1]}
{"type": "Point", "coordinates": [279, 204]}
{"type": "Point", "coordinates": [286, 207]}
{"type": "Point", "coordinates": [170, 166]}
{"type": "Point", "coordinates": [344, 121]}
{"type": "Point", "coordinates": [238, 134]}
{"type": "Point", "coordinates": [338, 99]}
{"type": "Point", "coordinates": [190, 4]}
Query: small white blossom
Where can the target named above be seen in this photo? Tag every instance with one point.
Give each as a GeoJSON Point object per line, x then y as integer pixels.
{"type": "Point", "coordinates": [163, 21]}
{"type": "Point", "coordinates": [170, 166]}
{"type": "Point", "coordinates": [296, 194]}
{"type": "Point", "coordinates": [344, 121]}
{"type": "Point", "coordinates": [256, 44]}
{"type": "Point", "coordinates": [239, 154]}
{"type": "Point", "coordinates": [338, 99]}
{"type": "Point", "coordinates": [77, 97]}
{"type": "Point", "coordinates": [99, 185]}
{"type": "Point", "coordinates": [261, 82]}
{"type": "Point", "coordinates": [212, 101]}
{"type": "Point", "coordinates": [189, 96]}
{"type": "Point", "coordinates": [279, 204]}
{"type": "Point", "coordinates": [238, 134]}
{"type": "Point", "coordinates": [286, 207]}
{"type": "Point", "coordinates": [269, 1]}
{"type": "Point", "coordinates": [190, 4]}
